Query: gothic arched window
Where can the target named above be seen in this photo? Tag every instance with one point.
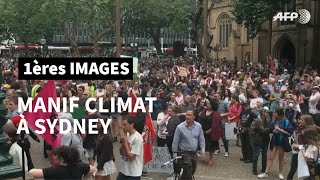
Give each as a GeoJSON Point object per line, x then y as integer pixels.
{"type": "Point", "coordinates": [225, 30]}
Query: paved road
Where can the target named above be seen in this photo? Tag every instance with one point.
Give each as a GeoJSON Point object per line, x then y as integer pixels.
{"type": "Point", "coordinates": [224, 168]}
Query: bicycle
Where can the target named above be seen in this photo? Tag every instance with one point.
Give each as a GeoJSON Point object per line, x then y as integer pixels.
{"type": "Point", "coordinates": [183, 164]}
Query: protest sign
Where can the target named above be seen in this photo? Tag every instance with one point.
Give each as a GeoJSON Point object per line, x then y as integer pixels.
{"type": "Point", "coordinates": [160, 155]}
{"type": "Point", "coordinates": [229, 131]}
{"type": "Point", "coordinates": [183, 72]}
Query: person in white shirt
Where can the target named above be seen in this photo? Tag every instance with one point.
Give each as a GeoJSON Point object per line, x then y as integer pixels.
{"type": "Point", "coordinates": [100, 92]}
{"type": "Point", "coordinates": [131, 152]}
{"type": "Point", "coordinates": [162, 121]}
{"type": "Point", "coordinates": [15, 150]}
{"type": "Point", "coordinates": [313, 101]}
{"type": "Point", "coordinates": [136, 90]}
{"type": "Point", "coordinates": [243, 95]}
{"type": "Point", "coordinates": [253, 102]}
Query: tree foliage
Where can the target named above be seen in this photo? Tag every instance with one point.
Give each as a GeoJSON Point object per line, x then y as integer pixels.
{"type": "Point", "coordinates": [253, 13]}
{"type": "Point", "coordinates": [96, 16]}
{"type": "Point", "coordinates": [156, 15]}
{"type": "Point", "coordinates": [29, 20]}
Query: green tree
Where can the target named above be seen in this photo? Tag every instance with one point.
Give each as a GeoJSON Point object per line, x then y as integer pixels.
{"type": "Point", "coordinates": [253, 13]}
{"type": "Point", "coordinates": [156, 15]}
{"type": "Point", "coordinates": [29, 20]}
{"type": "Point", "coordinates": [97, 16]}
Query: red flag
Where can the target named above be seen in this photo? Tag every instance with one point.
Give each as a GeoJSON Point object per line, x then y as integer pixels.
{"type": "Point", "coordinates": [48, 91]}
{"type": "Point", "coordinates": [148, 137]}
{"type": "Point", "coordinates": [133, 101]}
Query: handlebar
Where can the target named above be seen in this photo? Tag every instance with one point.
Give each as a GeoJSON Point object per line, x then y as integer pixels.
{"type": "Point", "coordinates": [182, 154]}
{"type": "Point", "coordinates": [166, 163]}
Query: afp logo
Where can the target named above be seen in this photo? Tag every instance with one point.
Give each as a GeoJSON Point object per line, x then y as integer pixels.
{"type": "Point", "coordinates": [304, 15]}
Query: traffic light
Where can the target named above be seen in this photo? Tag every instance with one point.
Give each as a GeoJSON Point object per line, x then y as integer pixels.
{"type": "Point", "coordinates": [7, 168]}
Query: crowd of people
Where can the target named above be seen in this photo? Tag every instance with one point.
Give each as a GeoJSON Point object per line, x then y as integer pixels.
{"type": "Point", "coordinates": [275, 110]}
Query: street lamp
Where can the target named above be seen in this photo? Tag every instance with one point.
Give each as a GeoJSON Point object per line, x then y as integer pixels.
{"type": "Point", "coordinates": [189, 39]}
{"type": "Point", "coordinates": [189, 29]}
{"type": "Point", "coordinates": [162, 41]}
{"type": "Point", "coordinates": [11, 42]}
{"type": "Point", "coordinates": [43, 42]}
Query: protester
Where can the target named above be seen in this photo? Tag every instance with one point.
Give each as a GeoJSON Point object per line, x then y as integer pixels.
{"type": "Point", "coordinates": [281, 129]}
{"type": "Point", "coordinates": [131, 152]}
{"type": "Point", "coordinates": [67, 166]}
{"type": "Point", "coordinates": [262, 86]}
{"type": "Point", "coordinates": [189, 142]}
{"type": "Point", "coordinates": [104, 158]}
{"type": "Point", "coordinates": [305, 121]}
{"type": "Point", "coordinates": [15, 150]}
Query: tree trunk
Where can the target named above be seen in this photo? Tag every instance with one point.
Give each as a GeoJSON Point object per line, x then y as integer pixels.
{"type": "Point", "coordinates": [71, 38]}
{"type": "Point", "coordinates": [157, 44]}
{"type": "Point", "coordinates": [195, 26]}
{"type": "Point", "coordinates": [95, 47]}
{"type": "Point", "coordinates": [74, 45]}
{"type": "Point", "coordinates": [26, 45]}
{"type": "Point", "coordinates": [118, 27]}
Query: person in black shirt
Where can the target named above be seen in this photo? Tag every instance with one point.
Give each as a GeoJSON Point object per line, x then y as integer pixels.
{"type": "Point", "coordinates": [104, 157]}
{"type": "Point", "coordinates": [306, 93]}
{"type": "Point", "coordinates": [246, 118]}
{"type": "Point", "coordinates": [89, 139]}
{"type": "Point", "coordinates": [67, 167]}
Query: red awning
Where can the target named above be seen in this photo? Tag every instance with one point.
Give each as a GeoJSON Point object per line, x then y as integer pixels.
{"type": "Point", "coordinates": [170, 49]}
{"type": "Point", "coordinates": [22, 47]}
{"type": "Point", "coordinates": [126, 49]}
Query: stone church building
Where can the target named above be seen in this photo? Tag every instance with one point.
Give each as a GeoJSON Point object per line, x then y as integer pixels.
{"type": "Point", "coordinates": [298, 43]}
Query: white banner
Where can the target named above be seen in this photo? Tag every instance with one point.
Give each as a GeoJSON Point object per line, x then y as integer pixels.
{"type": "Point", "coordinates": [160, 155]}
{"type": "Point", "coordinates": [229, 131]}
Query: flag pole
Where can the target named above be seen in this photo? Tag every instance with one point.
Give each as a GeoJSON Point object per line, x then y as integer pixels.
{"type": "Point", "coordinates": [22, 136]}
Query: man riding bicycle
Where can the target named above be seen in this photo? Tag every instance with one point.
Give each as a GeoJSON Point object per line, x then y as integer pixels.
{"type": "Point", "coordinates": [188, 138]}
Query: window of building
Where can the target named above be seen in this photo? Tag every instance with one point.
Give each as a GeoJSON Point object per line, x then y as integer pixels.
{"type": "Point", "coordinates": [225, 30]}
{"type": "Point", "coordinates": [248, 36]}
{"type": "Point", "coordinates": [289, 6]}
{"type": "Point", "coordinates": [80, 30]}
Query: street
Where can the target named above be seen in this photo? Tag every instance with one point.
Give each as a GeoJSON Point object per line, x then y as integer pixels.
{"type": "Point", "coordinates": [226, 168]}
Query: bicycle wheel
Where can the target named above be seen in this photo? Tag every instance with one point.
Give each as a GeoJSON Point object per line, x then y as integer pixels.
{"type": "Point", "coordinates": [177, 176]}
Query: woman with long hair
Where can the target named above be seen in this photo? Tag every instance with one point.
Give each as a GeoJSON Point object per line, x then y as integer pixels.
{"type": "Point", "coordinates": [205, 119]}
{"type": "Point", "coordinates": [304, 122]}
{"type": "Point", "coordinates": [297, 96]}
{"type": "Point", "coordinates": [275, 96]}
{"type": "Point", "coordinates": [67, 168]}
{"type": "Point", "coordinates": [226, 96]}
{"type": "Point", "coordinates": [104, 157]}
{"type": "Point", "coordinates": [162, 121]}
{"type": "Point", "coordinates": [311, 151]}
{"type": "Point", "coordinates": [235, 110]}
{"type": "Point", "coordinates": [281, 129]}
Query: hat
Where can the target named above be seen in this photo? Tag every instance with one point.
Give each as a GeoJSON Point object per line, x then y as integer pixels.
{"type": "Point", "coordinates": [285, 70]}
{"type": "Point", "coordinates": [239, 72]}
{"type": "Point", "coordinates": [6, 86]}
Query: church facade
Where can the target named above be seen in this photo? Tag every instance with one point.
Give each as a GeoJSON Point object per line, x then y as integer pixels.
{"type": "Point", "coordinates": [297, 43]}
